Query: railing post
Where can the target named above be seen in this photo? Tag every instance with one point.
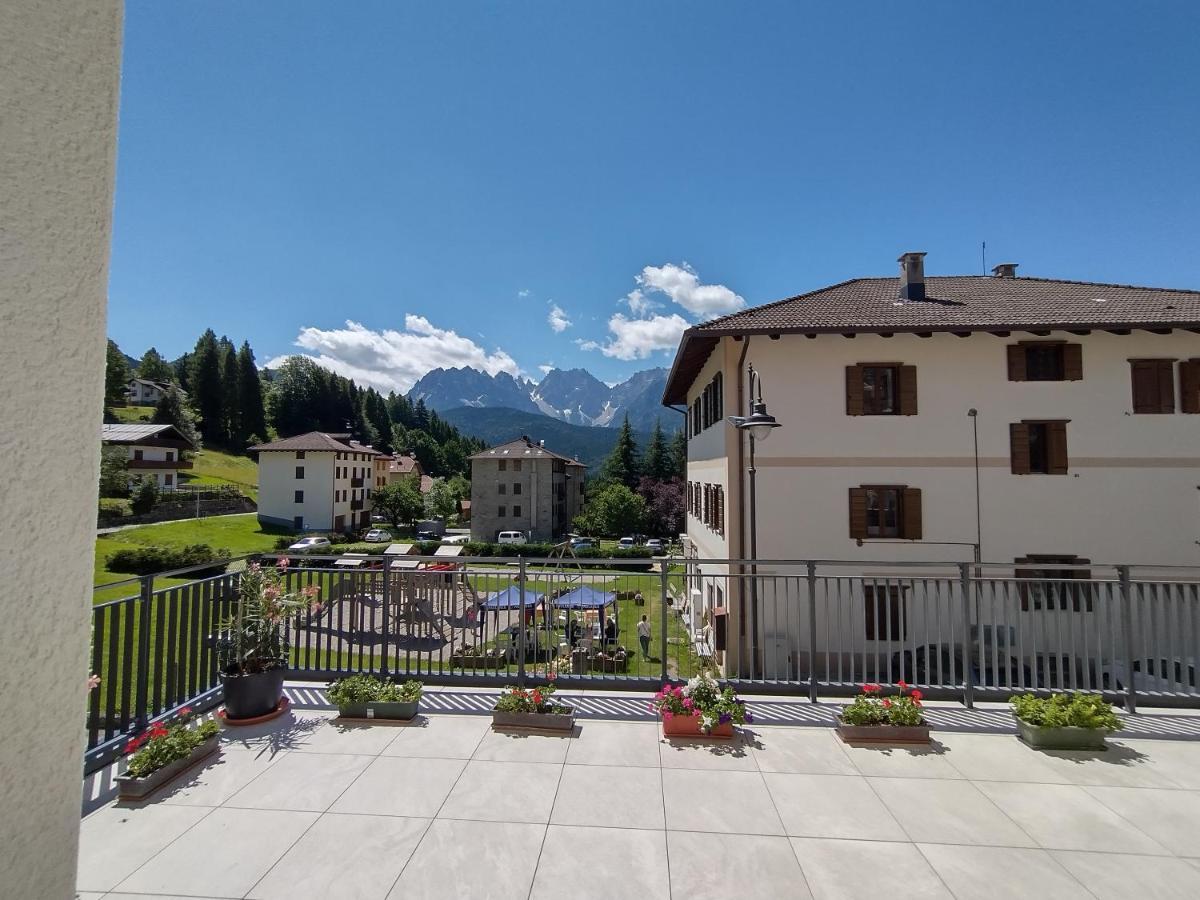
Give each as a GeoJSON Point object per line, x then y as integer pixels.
{"type": "Point", "coordinates": [1127, 636]}
{"type": "Point", "coordinates": [663, 588]}
{"type": "Point", "coordinates": [142, 686]}
{"type": "Point", "coordinates": [964, 579]}
{"type": "Point", "coordinates": [812, 632]}
{"type": "Point", "coordinates": [385, 625]}
{"type": "Point", "coordinates": [521, 627]}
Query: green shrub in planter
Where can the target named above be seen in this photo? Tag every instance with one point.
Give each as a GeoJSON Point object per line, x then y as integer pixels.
{"type": "Point", "coordinates": [366, 696]}
{"type": "Point", "coordinates": [1064, 721]}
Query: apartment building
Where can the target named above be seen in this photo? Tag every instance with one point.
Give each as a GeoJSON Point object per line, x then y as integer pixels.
{"type": "Point", "coordinates": [144, 392]}
{"type": "Point", "coordinates": [154, 452]}
{"type": "Point", "coordinates": [1012, 419]}
{"type": "Point", "coordinates": [390, 468]}
{"type": "Point", "coordinates": [315, 482]}
{"type": "Point", "coordinates": [522, 486]}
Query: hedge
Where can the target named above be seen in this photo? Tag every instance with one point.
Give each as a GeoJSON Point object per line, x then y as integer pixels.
{"type": "Point", "coordinates": [149, 560]}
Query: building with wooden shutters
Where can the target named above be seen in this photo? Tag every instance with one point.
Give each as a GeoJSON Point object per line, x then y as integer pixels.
{"type": "Point", "coordinates": [1087, 400]}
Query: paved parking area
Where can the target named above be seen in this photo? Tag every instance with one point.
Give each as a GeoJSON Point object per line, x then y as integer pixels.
{"type": "Point", "coordinates": [307, 807]}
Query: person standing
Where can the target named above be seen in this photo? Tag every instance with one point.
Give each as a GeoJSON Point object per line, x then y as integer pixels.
{"type": "Point", "coordinates": [643, 633]}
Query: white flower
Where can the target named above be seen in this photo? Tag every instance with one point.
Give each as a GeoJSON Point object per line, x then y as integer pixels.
{"type": "Point", "coordinates": [693, 683]}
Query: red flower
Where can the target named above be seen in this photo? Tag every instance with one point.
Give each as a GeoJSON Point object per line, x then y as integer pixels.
{"type": "Point", "coordinates": [186, 711]}
{"type": "Point", "coordinates": [870, 689]}
{"type": "Point", "coordinates": [537, 697]}
{"type": "Point", "coordinates": [917, 695]}
{"type": "Point", "coordinates": [552, 676]}
{"type": "Point", "coordinates": [903, 684]}
{"type": "Point", "coordinates": [887, 703]}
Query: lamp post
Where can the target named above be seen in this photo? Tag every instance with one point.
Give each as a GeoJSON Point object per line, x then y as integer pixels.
{"type": "Point", "coordinates": [758, 425]}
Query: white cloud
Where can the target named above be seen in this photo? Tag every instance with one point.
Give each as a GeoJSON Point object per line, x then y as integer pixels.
{"type": "Point", "coordinates": [524, 292]}
{"type": "Point", "coordinates": [393, 360]}
{"type": "Point", "coordinates": [638, 338]}
{"type": "Point", "coordinates": [546, 368]}
{"type": "Point", "coordinates": [639, 303]}
{"type": "Point", "coordinates": [682, 285]}
{"type": "Point", "coordinates": [558, 318]}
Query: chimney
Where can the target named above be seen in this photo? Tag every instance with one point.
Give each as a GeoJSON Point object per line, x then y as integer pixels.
{"type": "Point", "coordinates": [912, 276]}
{"type": "Point", "coordinates": [1005, 270]}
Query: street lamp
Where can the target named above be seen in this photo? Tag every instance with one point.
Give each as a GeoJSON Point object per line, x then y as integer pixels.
{"type": "Point", "coordinates": [758, 425]}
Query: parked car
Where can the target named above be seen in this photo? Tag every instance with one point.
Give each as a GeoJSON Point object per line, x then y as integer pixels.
{"type": "Point", "coordinates": [1164, 676]}
{"type": "Point", "coordinates": [453, 539]}
{"type": "Point", "coordinates": [626, 543]}
{"type": "Point", "coordinates": [427, 536]}
{"type": "Point", "coordinates": [314, 544]}
{"type": "Point", "coordinates": [655, 545]}
{"type": "Point", "coordinates": [940, 664]}
{"type": "Point", "coordinates": [583, 543]}
{"type": "Point", "coordinates": [512, 537]}
{"type": "Point", "coordinates": [378, 536]}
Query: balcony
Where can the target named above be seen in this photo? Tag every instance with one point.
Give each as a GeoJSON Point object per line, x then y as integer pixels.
{"type": "Point", "coordinates": [356, 505]}
{"type": "Point", "coordinates": [356, 482]}
{"type": "Point", "coordinates": [170, 464]}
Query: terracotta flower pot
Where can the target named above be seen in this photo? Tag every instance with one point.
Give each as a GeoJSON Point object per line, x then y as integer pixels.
{"type": "Point", "coordinates": [689, 726]}
{"type": "Point", "coordinates": [558, 722]}
{"type": "Point", "coordinates": [883, 734]}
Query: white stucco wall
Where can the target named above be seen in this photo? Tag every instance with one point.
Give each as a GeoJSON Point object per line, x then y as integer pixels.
{"type": "Point", "coordinates": [59, 74]}
{"type": "Point", "coordinates": [277, 486]}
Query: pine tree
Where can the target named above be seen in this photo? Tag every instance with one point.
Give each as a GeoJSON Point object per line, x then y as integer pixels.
{"type": "Point", "coordinates": [254, 418]}
{"type": "Point", "coordinates": [656, 463]}
{"type": "Point", "coordinates": [154, 368]}
{"type": "Point", "coordinates": [206, 387]}
{"type": "Point", "coordinates": [376, 412]}
{"type": "Point", "coordinates": [116, 376]}
{"type": "Point", "coordinates": [231, 407]}
{"type": "Point", "coordinates": [678, 455]}
{"type": "Point", "coordinates": [171, 410]}
{"type": "Point", "coordinates": [621, 467]}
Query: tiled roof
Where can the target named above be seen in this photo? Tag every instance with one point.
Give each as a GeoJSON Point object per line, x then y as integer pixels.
{"type": "Point", "coordinates": [524, 448]}
{"type": "Point", "coordinates": [121, 433]}
{"type": "Point", "coordinates": [958, 303]}
{"type": "Point", "coordinates": [403, 464]}
{"type": "Point", "coordinates": [317, 441]}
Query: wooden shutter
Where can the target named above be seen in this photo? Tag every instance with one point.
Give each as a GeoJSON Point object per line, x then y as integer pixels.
{"type": "Point", "coordinates": [1018, 434]}
{"type": "Point", "coordinates": [910, 510]}
{"type": "Point", "coordinates": [854, 390]}
{"type": "Point", "coordinates": [1072, 362]}
{"type": "Point", "coordinates": [858, 513]}
{"type": "Point", "coordinates": [1189, 386]}
{"type": "Point", "coordinates": [1153, 385]}
{"type": "Point", "coordinates": [1056, 448]}
{"type": "Point", "coordinates": [908, 390]}
{"type": "Point", "coordinates": [1166, 386]}
{"type": "Point", "coordinates": [1016, 362]}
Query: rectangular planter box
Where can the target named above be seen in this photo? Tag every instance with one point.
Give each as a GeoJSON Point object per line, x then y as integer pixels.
{"type": "Point", "coordinates": [1068, 738]}
{"type": "Point", "coordinates": [883, 734]}
{"type": "Point", "coordinates": [136, 788]}
{"type": "Point", "coordinates": [689, 727]}
{"type": "Point", "coordinates": [375, 710]}
{"type": "Point", "coordinates": [557, 722]}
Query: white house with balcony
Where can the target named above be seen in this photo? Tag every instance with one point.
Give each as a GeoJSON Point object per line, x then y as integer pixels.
{"type": "Point", "coordinates": [153, 452]}
{"type": "Point", "coordinates": [315, 482]}
{"type": "Point", "coordinates": [1027, 421]}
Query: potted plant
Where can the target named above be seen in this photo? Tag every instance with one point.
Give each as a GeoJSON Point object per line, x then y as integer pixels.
{"type": "Point", "coordinates": [874, 718]}
{"type": "Point", "coordinates": [1064, 721]}
{"type": "Point", "coordinates": [369, 697]}
{"type": "Point", "coordinates": [532, 708]}
{"type": "Point", "coordinates": [701, 707]}
{"type": "Point", "coordinates": [254, 648]}
{"type": "Point", "coordinates": [161, 753]}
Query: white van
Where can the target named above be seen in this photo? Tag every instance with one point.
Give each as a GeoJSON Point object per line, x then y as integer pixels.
{"type": "Point", "coordinates": [511, 537]}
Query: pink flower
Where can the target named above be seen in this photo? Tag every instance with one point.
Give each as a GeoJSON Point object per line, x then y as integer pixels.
{"type": "Point", "coordinates": [282, 563]}
{"type": "Point", "coordinates": [93, 682]}
{"type": "Point", "coordinates": [667, 715]}
{"type": "Point", "coordinates": [887, 703]}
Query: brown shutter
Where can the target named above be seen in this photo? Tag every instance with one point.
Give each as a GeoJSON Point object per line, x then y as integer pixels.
{"type": "Point", "coordinates": [1016, 362]}
{"type": "Point", "coordinates": [858, 513]}
{"type": "Point", "coordinates": [1072, 362]}
{"type": "Point", "coordinates": [1189, 386]}
{"type": "Point", "coordinates": [854, 390]}
{"type": "Point", "coordinates": [1056, 448]}
{"type": "Point", "coordinates": [1166, 386]}
{"type": "Point", "coordinates": [910, 509]}
{"type": "Point", "coordinates": [1018, 434]}
{"type": "Point", "coordinates": [908, 390]}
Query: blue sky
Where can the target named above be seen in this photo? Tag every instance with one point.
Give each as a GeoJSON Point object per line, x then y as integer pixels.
{"type": "Point", "coordinates": [445, 175]}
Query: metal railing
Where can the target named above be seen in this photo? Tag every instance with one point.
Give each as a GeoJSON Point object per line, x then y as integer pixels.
{"type": "Point", "coordinates": [956, 630]}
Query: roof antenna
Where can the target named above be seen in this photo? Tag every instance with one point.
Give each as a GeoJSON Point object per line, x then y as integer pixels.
{"type": "Point", "coordinates": [983, 255]}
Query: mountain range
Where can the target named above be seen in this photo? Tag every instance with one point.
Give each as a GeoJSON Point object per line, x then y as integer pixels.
{"type": "Point", "coordinates": [574, 396]}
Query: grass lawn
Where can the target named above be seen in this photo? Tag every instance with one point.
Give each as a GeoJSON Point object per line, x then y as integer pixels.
{"type": "Point", "coordinates": [215, 467]}
{"type": "Point", "coordinates": [133, 415]}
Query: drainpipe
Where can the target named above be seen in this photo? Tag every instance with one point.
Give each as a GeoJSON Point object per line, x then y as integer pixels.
{"type": "Point", "coordinates": [741, 483]}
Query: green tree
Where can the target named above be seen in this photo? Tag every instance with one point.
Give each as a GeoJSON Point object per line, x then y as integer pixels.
{"type": "Point", "coordinates": [171, 410]}
{"type": "Point", "coordinates": [231, 407]}
{"type": "Point", "coordinates": [253, 423]}
{"type": "Point", "coordinates": [621, 467]}
{"type": "Point", "coordinates": [206, 387]}
{"type": "Point", "coordinates": [613, 511]}
{"type": "Point", "coordinates": [678, 455]}
{"type": "Point", "coordinates": [656, 463]}
{"type": "Point", "coordinates": [440, 501]}
{"type": "Point", "coordinates": [298, 393]}
{"type": "Point", "coordinates": [375, 410]}
{"type": "Point", "coordinates": [144, 496]}
{"type": "Point", "coordinates": [400, 501]}
{"type": "Point", "coordinates": [154, 368]}
{"type": "Point", "coordinates": [114, 472]}
{"type": "Point", "coordinates": [116, 376]}
{"type": "Point", "coordinates": [428, 453]}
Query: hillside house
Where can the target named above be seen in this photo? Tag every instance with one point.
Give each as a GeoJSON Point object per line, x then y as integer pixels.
{"type": "Point", "coordinates": [144, 392]}
{"type": "Point", "coordinates": [315, 482]}
{"type": "Point", "coordinates": [154, 451]}
{"type": "Point", "coordinates": [522, 486]}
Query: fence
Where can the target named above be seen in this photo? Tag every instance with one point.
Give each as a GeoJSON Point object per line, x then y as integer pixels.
{"type": "Point", "coordinates": [963, 631]}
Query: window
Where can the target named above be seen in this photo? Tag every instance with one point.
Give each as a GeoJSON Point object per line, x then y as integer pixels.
{"type": "Point", "coordinates": [503, 465]}
{"type": "Point", "coordinates": [516, 510]}
{"type": "Point", "coordinates": [885, 612]}
{"type": "Point", "coordinates": [885, 511]}
{"type": "Point", "coordinates": [502, 512]}
{"type": "Point", "coordinates": [502, 489]}
{"type": "Point", "coordinates": [516, 465]}
{"type": "Point", "coordinates": [1189, 386]}
{"type": "Point", "coordinates": [1038, 448]}
{"type": "Point", "coordinates": [168, 478]}
{"type": "Point", "coordinates": [1153, 383]}
{"type": "Point", "coordinates": [298, 523]}
{"type": "Point", "coordinates": [299, 496]}
{"type": "Point", "coordinates": [299, 454]}
{"type": "Point", "coordinates": [1045, 361]}
{"type": "Point", "coordinates": [516, 487]}
{"type": "Point", "coordinates": [881, 389]}
{"type": "Point", "coordinates": [137, 454]}
{"type": "Point", "coordinates": [1053, 588]}
{"type": "Point", "coordinates": [299, 471]}
{"type": "Point", "coordinates": [170, 456]}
